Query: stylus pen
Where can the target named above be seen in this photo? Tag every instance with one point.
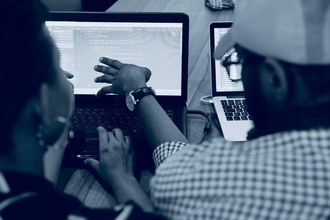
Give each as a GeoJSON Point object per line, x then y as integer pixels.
{"type": "Point", "coordinates": [87, 156]}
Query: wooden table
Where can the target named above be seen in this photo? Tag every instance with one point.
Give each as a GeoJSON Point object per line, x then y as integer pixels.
{"type": "Point", "coordinates": [83, 184]}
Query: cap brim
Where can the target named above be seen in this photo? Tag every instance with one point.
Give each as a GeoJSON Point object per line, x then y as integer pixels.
{"type": "Point", "coordinates": [225, 43]}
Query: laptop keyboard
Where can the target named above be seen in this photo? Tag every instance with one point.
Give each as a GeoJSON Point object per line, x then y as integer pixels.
{"type": "Point", "coordinates": [85, 143]}
{"type": "Point", "coordinates": [235, 109]}
{"type": "Point", "coordinates": [91, 118]}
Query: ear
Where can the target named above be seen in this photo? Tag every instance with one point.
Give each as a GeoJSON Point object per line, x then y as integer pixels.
{"type": "Point", "coordinates": [274, 82]}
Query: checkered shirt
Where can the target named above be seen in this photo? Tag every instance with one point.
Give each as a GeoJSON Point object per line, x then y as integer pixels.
{"type": "Point", "coordinates": [281, 176]}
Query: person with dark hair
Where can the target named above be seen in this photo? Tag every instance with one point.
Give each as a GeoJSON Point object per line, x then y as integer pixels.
{"type": "Point", "coordinates": [283, 171]}
{"type": "Point", "coordinates": [35, 120]}
{"type": "Point", "coordinates": [96, 5]}
{"type": "Point", "coordinates": [78, 5]}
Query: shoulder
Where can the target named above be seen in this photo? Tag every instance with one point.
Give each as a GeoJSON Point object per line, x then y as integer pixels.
{"type": "Point", "coordinates": [62, 206]}
{"type": "Point", "coordinates": [218, 177]}
{"type": "Point", "coordinates": [34, 205]}
{"type": "Point", "coordinates": [32, 197]}
{"type": "Point", "coordinates": [126, 211]}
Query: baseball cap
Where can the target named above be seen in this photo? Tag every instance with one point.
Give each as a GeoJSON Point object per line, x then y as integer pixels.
{"type": "Point", "coordinates": [296, 31]}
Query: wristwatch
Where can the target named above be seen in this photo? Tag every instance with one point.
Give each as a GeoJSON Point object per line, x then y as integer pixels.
{"type": "Point", "coordinates": [133, 97]}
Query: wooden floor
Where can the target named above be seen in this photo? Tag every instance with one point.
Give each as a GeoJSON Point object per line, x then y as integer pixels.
{"type": "Point", "coordinates": [82, 183]}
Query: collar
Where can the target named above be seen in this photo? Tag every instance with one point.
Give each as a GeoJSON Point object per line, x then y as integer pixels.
{"type": "Point", "coordinates": [18, 182]}
{"type": "Point", "coordinates": [319, 136]}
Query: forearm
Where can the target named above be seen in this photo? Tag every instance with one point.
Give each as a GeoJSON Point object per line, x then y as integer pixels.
{"type": "Point", "coordinates": [127, 188]}
{"type": "Point", "coordinates": [158, 127]}
{"type": "Point", "coordinates": [125, 78]}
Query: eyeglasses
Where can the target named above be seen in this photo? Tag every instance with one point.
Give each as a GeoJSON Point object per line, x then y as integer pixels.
{"type": "Point", "coordinates": [233, 65]}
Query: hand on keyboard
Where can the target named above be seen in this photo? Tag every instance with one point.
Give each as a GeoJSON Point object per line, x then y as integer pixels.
{"type": "Point", "coordinates": [116, 157]}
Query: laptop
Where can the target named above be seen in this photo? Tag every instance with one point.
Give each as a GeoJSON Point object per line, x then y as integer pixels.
{"type": "Point", "coordinates": [158, 41]}
{"type": "Point", "coordinates": [227, 90]}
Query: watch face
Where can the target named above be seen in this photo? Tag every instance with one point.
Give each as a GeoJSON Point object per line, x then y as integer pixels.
{"type": "Point", "coordinates": [130, 102]}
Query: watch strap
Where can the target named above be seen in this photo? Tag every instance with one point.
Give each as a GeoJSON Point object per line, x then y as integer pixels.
{"type": "Point", "coordinates": [140, 93]}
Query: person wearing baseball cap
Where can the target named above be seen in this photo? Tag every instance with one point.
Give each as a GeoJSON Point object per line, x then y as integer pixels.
{"type": "Point", "coordinates": [285, 48]}
{"type": "Point", "coordinates": [283, 171]}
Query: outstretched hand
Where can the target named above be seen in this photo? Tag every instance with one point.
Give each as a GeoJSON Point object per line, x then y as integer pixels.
{"type": "Point", "coordinates": [116, 158]}
{"type": "Point", "coordinates": [122, 77]}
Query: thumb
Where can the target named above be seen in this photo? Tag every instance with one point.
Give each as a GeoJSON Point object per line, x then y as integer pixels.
{"type": "Point", "coordinates": [92, 163]}
{"type": "Point", "coordinates": [106, 90]}
{"type": "Point", "coordinates": [147, 74]}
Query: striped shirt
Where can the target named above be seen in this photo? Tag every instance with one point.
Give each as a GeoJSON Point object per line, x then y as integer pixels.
{"type": "Point", "coordinates": [281, 176]}
{"type": "Point", "coordinates": [25, 196]}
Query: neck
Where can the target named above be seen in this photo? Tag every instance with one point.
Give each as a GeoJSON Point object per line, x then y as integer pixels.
{"type": "Point", "coordinates": [309, 117]}
{"type": "Point", "coordinates": [10, 164]}
{"type": "Point", "coordinates": [294, 119]}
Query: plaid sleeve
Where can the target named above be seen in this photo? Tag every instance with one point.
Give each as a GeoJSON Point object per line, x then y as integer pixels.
{"type": "Point", "coordinates": [165, 150]}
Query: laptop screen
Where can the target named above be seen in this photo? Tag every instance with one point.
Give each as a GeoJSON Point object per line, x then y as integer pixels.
{"type": "Point", "coordinates": [223, 82]}
{"type": "Point", "coordinates": [158, 45]}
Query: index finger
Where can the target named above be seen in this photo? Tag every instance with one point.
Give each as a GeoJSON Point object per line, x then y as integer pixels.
{"type": "Point", "coordinates": [118, 133]}
{"type": "Point", "coordinates": [103, 137]}
{"type": "Point", "coordinates": [110, 62]}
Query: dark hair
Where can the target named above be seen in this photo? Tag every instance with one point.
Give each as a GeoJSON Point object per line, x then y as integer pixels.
{"type": "Point", "coordinates": [26, 59]}
{"type": "Point", "coordinates": [315, 78]}
{"type": "Point", "coordinates": [316, 81]}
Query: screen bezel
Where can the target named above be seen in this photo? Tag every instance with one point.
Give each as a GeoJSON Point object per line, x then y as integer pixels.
{"type": "Point", "coordinates": [213, 26]}
{"type": "Point", "coordinates": [166, 17]}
